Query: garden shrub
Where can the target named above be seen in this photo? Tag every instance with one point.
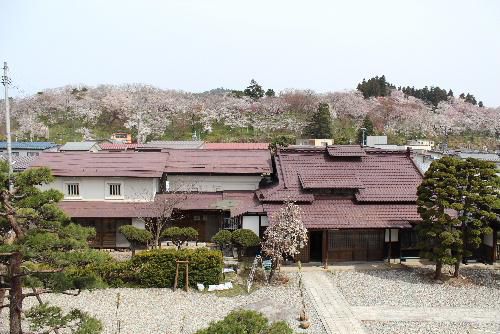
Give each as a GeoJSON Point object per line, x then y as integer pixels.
{"type": "Point", "coordinates": [244, 238]}
{"type": "Point", "coordinates": [222, 238]}
{"type": "Point", "coordinates": [246, 322]}
{"type": "Point", "coordinates": [136, 236]}
{"type": "Point", "coordinates": [179, 235]}
{"type": "Point", "coordinates": [156, 268]}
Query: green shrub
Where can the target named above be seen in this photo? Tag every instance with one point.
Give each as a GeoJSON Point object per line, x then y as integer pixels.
{"type": "Point", "coordinates": [279, 327]}
{"type": "Point", "coordinates": [246, 322]}
{"type": "Point", "coordinates": [222, 238]}
{"type": "Point", "coordinates": [156, 268]}
{"type": "Point", "coordinates": [136, 236]}
{"type": "Point", "coordinates": [179, 235]}
{"type": "Point", "coordinates": [244, 238]}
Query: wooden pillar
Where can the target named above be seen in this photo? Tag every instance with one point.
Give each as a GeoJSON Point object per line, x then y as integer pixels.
{"type": "Point", "coordinates": [390, 246]}
{"type": "Point", "coordinates": [325, 249]}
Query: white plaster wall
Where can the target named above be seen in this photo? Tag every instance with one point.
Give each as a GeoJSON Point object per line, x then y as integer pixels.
{"type": "Point", "coordinates": [139, 223]}
{"type": "Point", "coordinates": [95, 189]}
{"type": "Point", "coordinates": [212, 183]}
{"type": "Point", "coordinates": [251, 223]}
{"type": "Point", "coordinates": [394, 235]}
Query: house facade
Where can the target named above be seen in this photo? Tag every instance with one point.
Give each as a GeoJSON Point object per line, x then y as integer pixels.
{"type": "Point", "coordinates": [358, 204]}
{"type": "Point", "coordinates": [205, 189]}
{"type": "Point", "coordinates": [27, 149]}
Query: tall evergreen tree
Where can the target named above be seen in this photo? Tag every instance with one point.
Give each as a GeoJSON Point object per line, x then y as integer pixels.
{"type": "Point", "coordinates": [478, 203]}
{"type": "Point", "coordinates": [440, 241]}
{"type": "Point", "coordinates": [254, 91]}
{"type": "Point", "coordinates": [320, 125]}
{"type": "Point", "coordinates": [368, 125]}
{"type": "Point", "coordinates": [45, 243]}
{"type": "Point", "coordinates": [458, 202]}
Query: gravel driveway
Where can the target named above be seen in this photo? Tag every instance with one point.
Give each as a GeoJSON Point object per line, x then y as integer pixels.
{"type": "Point", "coordinates": [414, 289]}
{"type": "Point", "coordinates": [148, 311]}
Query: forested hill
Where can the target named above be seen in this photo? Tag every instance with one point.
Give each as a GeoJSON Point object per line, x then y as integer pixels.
{"type": "Point", "coordinates": [252, 114]}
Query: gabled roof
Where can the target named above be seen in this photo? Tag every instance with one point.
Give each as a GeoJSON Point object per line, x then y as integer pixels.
{"type": "Point", "coordinates": [218, 162]}
{"type": "Point", "coordinates": [19, 163]}
{"type": "Point", "coordinates": [378, 175]}
{"type": "Point", "coordinates": [79, 146]}
{"type": "Point", "coordinates": [124, 164]}
{"type": "Point", "coordinates": [237, 146]}
{"type": "Point", "coordinates": [28, 145]}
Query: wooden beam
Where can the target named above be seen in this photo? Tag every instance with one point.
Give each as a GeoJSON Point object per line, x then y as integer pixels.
{"type": "Point", "coordinates": [325, 249]}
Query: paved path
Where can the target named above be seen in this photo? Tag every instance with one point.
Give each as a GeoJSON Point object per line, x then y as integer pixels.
{"type": "Point", "coordinates": [332, 308]}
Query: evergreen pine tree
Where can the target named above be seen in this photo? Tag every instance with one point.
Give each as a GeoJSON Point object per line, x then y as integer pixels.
{"type": "Point", "coordinates": [368, 125]}
{"type": "Point", "coordinates": [254, 91]}
{"type": "Point", "coordinates": [320, 125]}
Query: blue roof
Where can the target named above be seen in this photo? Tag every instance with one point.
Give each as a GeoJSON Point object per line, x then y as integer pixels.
{"type": "Point", "coordinates": [28, 145]}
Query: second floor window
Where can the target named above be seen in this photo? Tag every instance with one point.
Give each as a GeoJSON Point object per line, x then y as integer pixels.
{"type": "Point", "coordinates": [114, 189]}
{"type": "Point", "coordinates": [32, 154]}
{"type": "Point", "coordinates": [73, 189]}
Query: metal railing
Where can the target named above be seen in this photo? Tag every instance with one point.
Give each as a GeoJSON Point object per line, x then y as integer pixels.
{"type": "Point", "coordinates": [230, 224]}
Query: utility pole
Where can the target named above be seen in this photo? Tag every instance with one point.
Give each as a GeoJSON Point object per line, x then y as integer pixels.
{"type": "Point", "coordinates": [6, 83]}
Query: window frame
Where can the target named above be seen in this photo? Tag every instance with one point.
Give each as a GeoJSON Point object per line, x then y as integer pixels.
{"type": "Point", "coordinates": [66, 190]}
{"type": "Point", "coordinates": [107, 194]}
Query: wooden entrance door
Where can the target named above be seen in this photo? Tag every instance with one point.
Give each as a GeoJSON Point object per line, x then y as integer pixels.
{"type": "Point", "coordinates": [356, 245]}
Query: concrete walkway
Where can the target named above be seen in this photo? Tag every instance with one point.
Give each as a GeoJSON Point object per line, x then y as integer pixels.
{"type": "Point", "coordinates": [441, 314]}
{"type": "Point", "coordinates": [330, 304]}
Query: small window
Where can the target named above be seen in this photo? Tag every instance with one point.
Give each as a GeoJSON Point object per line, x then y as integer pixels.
{"type": "Point", "coordinates": [32, 154]}
{"type": "Point", "coordinates": [15, 154]}
{"type": "Point", "coordinates": [114, 189]}
{"type": "Point", "coordinates": [73, 189]}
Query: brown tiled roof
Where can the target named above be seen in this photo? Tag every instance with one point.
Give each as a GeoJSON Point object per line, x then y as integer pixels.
{"type": "Point", "coordinates": [332, 214]}
{"type": "Point", "coordinates": [380, 176]}
{"type": "Point", "coordinates": [106, 209]}
{"type": "Point", "coordinates": [126, 164]}
{"type": "Point", "coordinates": [118, 146]}
{"type": "Point", "coordinates": [237, 202]}
{"type": "Point", "coordinates": [219, 161]}
{"type": "Point", "coordinates": [237, 146]}
{"type": "Point", "coordinates": [346, 151]}
{"type": "Point", "coordinates": [329, 179]}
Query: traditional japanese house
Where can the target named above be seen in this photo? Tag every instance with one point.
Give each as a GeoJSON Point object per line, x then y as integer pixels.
{"type": "Point", "coordinates": [358, 203]}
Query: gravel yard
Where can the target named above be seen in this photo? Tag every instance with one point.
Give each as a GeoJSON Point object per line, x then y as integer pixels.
{"type": "Point", "coordinates": [415, 287]}
{"type": "Point", "coordinates": [407, 327]}
{"type": "Point", "coordinates": [144, 311]}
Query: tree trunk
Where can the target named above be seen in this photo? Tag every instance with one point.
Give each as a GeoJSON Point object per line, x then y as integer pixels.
{"type": "Point", "coordinates": [439, 268]}
{"type": "Point", "coordinates": [16, 294]}
{"type": "Point", "coordinates": [133, 251]}
{"type": "Point", "coordinates": [457, 267]}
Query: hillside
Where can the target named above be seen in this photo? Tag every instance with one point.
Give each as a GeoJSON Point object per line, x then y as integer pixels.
{"type": "Point", "coordinates": [75, 113]}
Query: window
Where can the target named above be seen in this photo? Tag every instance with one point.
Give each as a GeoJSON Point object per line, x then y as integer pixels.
{"type": "Point", "coordinates": [15, 154]}
{"type": "Point", "coordinates": [73, 189]}
{"type": "Point", "coordinates": [114, 189]}
{"type": "Point", "coordinates": [32, 154]}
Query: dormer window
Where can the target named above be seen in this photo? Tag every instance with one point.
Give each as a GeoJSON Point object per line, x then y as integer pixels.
{"type": "Point", "coordinates": [73, 190]}
{"type": "Point", "coordinates": [114, 190]}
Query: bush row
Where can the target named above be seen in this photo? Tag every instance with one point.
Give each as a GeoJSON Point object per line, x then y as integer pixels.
{"type": "Point", "coordinates": [156, 268]}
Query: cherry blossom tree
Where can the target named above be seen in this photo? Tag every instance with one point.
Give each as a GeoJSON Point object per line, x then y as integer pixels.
{"type": "Point", "coordinates": [285, 236]}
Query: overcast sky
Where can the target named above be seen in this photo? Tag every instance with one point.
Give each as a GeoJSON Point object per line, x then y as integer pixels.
{"type": "Point", "coordinates": [196, 45]}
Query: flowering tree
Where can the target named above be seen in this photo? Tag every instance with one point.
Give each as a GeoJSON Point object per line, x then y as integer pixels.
{"type": "Point", "coordinates": [285, 236]}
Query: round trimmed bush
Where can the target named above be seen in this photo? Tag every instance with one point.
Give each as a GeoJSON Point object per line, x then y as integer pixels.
{"type": "Point", "coordinates": [179, 235]}
{"type": "Point", "coordinates": [222, 238]}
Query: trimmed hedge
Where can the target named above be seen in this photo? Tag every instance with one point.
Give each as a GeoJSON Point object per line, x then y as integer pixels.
{"type": "Point", "coordinates": [156, 268]}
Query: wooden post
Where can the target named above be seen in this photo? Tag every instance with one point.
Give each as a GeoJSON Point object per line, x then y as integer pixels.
{"type": "Point", "coordinates": [176, 274]}
{"type": "Point", "coordinates": [187, 277]}
{"type": "Point", "coordinates": [390, 246]}
{"type": "Point", "coordinates": [325, 249]}
{"type": "Point", "coordinates": [16, 293]}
